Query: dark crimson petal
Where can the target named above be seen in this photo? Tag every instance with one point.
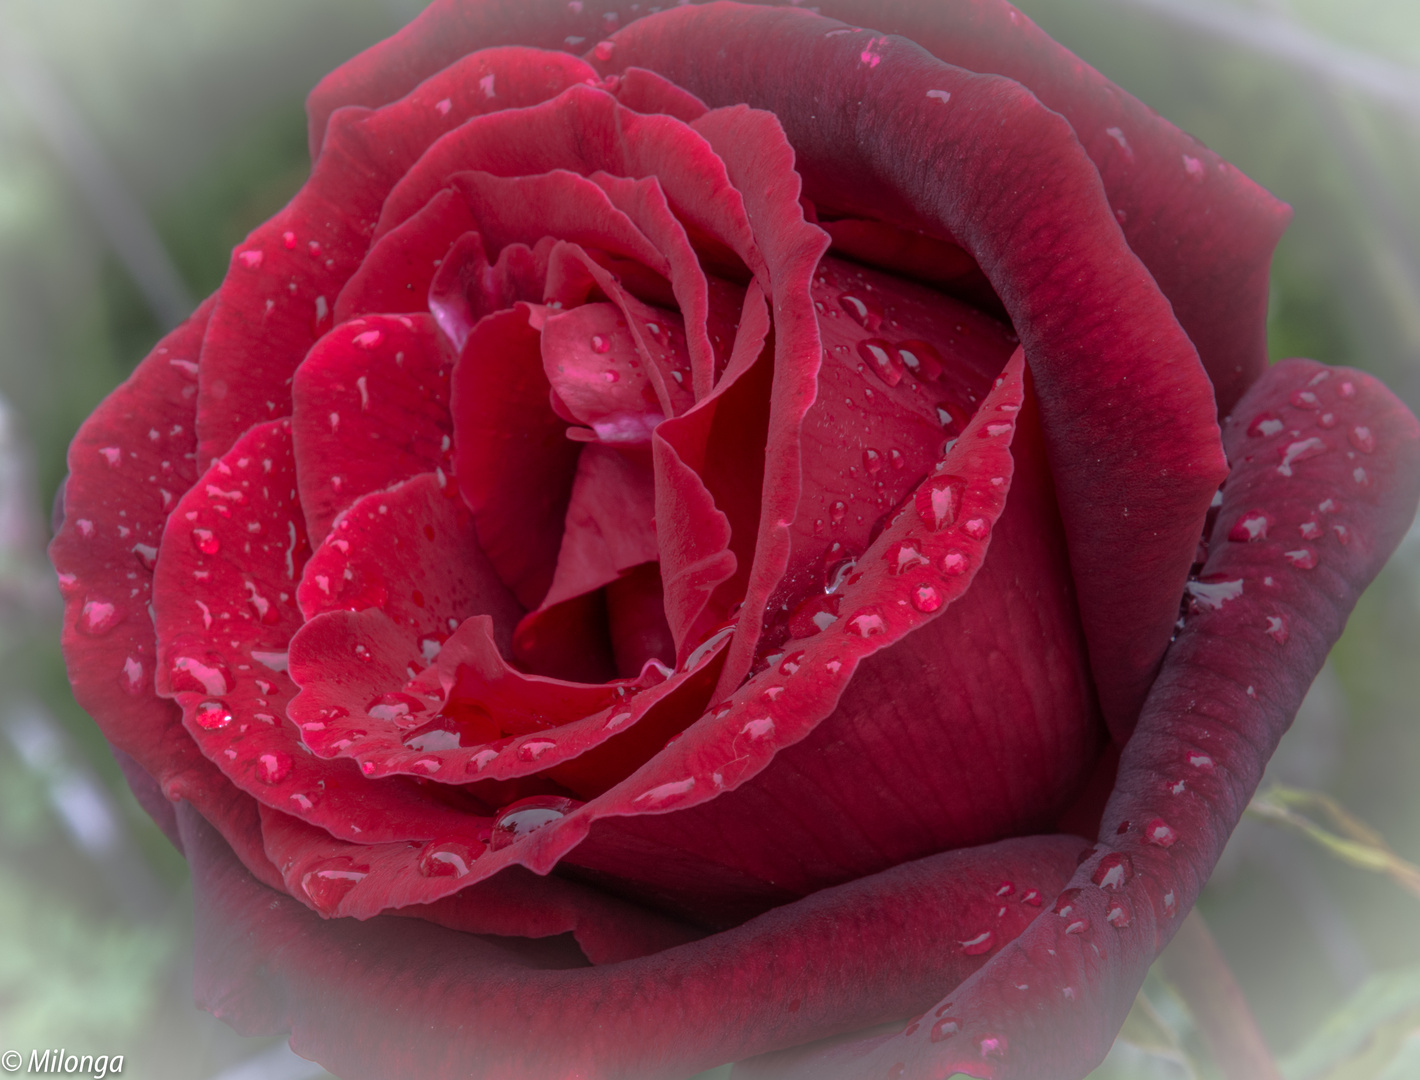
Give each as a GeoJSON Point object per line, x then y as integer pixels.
{"type": "Point", "coordinates": [411, 551]}
{"type": "Point", "coordinates": [224, 611]}
{"type": "Point", "coordinates": [783, 705]}
{"type": "Point", "coordinates": [644, 91]}
{"type": "Point", "coordinates": [979, 724]}
{"type": "Point", "coordinates": [1108, 357]}
{"type": "Point", "coordinates": [400, 265]}
{"type": "Point", "coordinates": [370, 408]}
{"type": "Point", "coordinates": [1205, 231]}
{"type": "Point", "coordinates": [610, 523]}
{"type": "Point", "coordinates": [466, 287]}
{"type": "Point", "coordinates": [128, 465]}
{"type": "Point", "coordinates": [1261, 625]}
{"type": "Point", "coordinates": [697, 537]}
{"type": "Point", "coordinates": [277, 296]}
{"type": "Point", "coordinates": [514, 464]}
{"type": "Point", "coordinates": [402, 998]}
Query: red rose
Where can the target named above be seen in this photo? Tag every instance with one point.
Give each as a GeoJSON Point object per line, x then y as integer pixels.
{"type": "Point", "coordinates": [625, 466]}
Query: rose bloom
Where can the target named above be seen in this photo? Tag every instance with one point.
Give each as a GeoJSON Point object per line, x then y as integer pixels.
{"type": "Point", "coordinates": [714, 518]}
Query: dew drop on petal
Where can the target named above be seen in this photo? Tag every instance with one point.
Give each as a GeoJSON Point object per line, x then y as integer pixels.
{"type": "Point", "coordinates": [1302, 558]}
{"type": "Point", "coordinates": [926, 598]}
{"type": "Point", "coordinates": [979, 944]}
{"type": "Point", "coordinates": [98, 617]}
{"type": "Point", "coordinates": [601, 343]}
{"type": "Point", "coordinates": [329, 883]}
{"type": "Point", "coordinates": [446, 858]}
{"type": "Point", "coordinates": [939, 501]}
{"type": "Point", "coordinates": [205, 541]}
{"type": "Point", "coordinates": [212, 715]}
{"type": "Point", "coordinates": [1264, 425]}
{"type": "Point", "coordinates": [526, 816]}
{"type": "Point", "coordinates": [1251, 526]}
{"type": "Point", "coordinates": [867, 624]}
{"type": "Point", "coordinates": [1118, 914]}
{"type": "Point", "coordinates": [273, 767]}
{"type": "Point", "coordinates": [872, 461]}
{"type": "Point", "coordinates": [954, 563]}
{"type": "Point", "coordinates": [904, 555]}
{"type": "Point", "coordinates": [1277, 629]}
{"type": "Point", "coordinates": [1159, 833]}
{"type": "Point", "coordinates": [1113, 871]}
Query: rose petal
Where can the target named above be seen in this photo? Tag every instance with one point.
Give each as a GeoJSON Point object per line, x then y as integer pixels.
{"type": "Point", "coordinates": [380, 381]}
{"type": "Point", "coordinates": [391, 997]}
{"type": "Point", "coordinates": [1229, 689]}
{"type": "Point", "coordinates": [1063, 277]}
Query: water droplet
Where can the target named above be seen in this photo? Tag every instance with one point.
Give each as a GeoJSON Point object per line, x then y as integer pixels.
{"type": "Point", "coordinates": [872, 461]}
{"type": "Point", "coordinates": [1302, 558]}
{"type": "Point", "coordinates": [1067, 903]}
{"type": "Point", "coordinates": [1210, 595]}
{"type": "Point", "coordinates": [1326, 420]}
{"type": "Point", "coordinates": [535, 748]}
{"type": "Point", "coordinates": [979, 944]}
{"type": "Point", "coordinates": [603, 50]}
{"type": "Point", "coordinates": [601, 343]}
{"type": "Point", "coordinates": [1201, 761]}
{"type": "Point", "coordinates": [519, 819]}
{"type": "Point", "coordinates": [133, 681]}
{"type": "Point", "coordinates": [205, 541]}
{"type": "Point", "coordinates": [1159, 833]}
{"type": "Point", "coordinates": [865, 311]}
{"type": "Point", "coordinates": [370, 339]}
{"type": "Point", "coordinates": [663, 793]}
{"type": "Point", "coordinates": [98, 617]}
{"type": "Point", "coordinates": [1310, 530]}
{"type": "Point", "coordinates": [1123, 828]}
{"type": "Point", "coordinates": [882, 358]}
{"type": "Point", "coordinates": [1305, 399]}
{"type": "Point", "coordinates": [758, 728]}
{"type": "Point", "coordinates": [954, 563]}
{"type": "Point", "coordinates": [790, 663]}
{"type": "Point", "coordinates": [1300, 450]}
{"type": "Point", "coordinates": [1079, 926]}
{"type": "Point", "coordinates": [1343, 535]}
{"type": "Point", "coordinates": [939, 501]}
{"type": "Point", "coordinates": [703, 651]}
{"type": "Point", "coordinates": [610, 376]}
{"type": "Point", "coordinates": [1118, 914]}
{"type": "Point", "coordinates": [618, 719]}
{"type": "Point", "coordinates": [837, 512]}
{"type": "Point", "coordinates": [946, 1027]}
{"type": "Point", "coordinates": [252, 260]}
{"type": "Point", "coordinates": [441, 733]}
{"type": "Point", "coordinates": [328, 884]}
{"type": "Point", "coordinates": [190, 674]}
{"type": "Point", "coordinates": [1361, 477]}
{"type": "Point", "coordinates": [394, 707]}
{"type": "Point", "coordinates": [896, 460]}
{"type": "Point", "coordinates": [212, 715]}
{"type": "Point", "coordinates": [273, 767]}
{"type": "Point", "coordinates": [836, 574]}
{"type": "Point", "coordinates": [1277, 629]}
{"type": "Point", "coordinates": [904, 555]}
{"type": "Point", "coordinates": [1251, 526]}
{"type": "Point", "coordinates": [1032, 897]}
{"type": "Point", "coordinates": [952, 417]}
{"type": "Point", "coordinates": [921, 359]}
{"type": "Point", "coordinates": [977, 528]}
{"type": "Point", "coordinates": [447, 858]}
{"type": "Point", "coordinates": [1264, 425]}
{"type": "Point", "coordinates": [1113, 871]}
{"type": "Point", "coordinates": [993, 430]}
{"type": "Point", "coordinates": [926, 598]}
{"type": "Point", "coordinates": [867, 623]}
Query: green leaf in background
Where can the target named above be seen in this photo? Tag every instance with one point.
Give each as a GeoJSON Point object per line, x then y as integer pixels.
{"type": "Point", "coordinates": [1374, 1036]}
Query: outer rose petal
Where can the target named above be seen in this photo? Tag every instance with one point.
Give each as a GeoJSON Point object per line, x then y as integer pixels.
{"type": "Point", "coordinates": [1205, 231]}
{"type": "Point", "coordinates": [1346, 458]}
{"type": "Point", "coordinates": [399, 998]}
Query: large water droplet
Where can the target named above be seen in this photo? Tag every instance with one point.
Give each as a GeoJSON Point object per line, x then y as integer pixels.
{"type": "Point", "coordinates": [328, 884]}
{"type": "Point", "coordinates": [1300, 450]}
{"type": "Point", "coordinates": [519, 819]}
{"type": "Point", "coordinates": [939, 501]}
{"type": "Point", "coordinates": [395, 708]}
{"type": "Point", "coordinates": [205, 541]}
{"type": "Point", "coordinates": [954, 563]}
{"type": "Point", "coordinates": [1302, 558]}
{"type": "Point", "coordinates": [447, 858]}
{"type": "Point", "coordinates": [872, 461]}
{"type": "Point", "coordinates": [867, 623]}
{"type": "Point", "coordinates": [212, 715]}
{"type": "Point", "coordinates": [837, 512]}
{"type": "Point", "coordinates": [601, 343]}
{"type": "Point", "coordinates": [1118, 913]}
{"type": "Point", "coordinates": [1362, 439]}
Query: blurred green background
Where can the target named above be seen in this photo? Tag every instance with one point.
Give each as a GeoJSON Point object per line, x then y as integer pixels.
{"type": "Point", "coordinates": [141, 139]}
